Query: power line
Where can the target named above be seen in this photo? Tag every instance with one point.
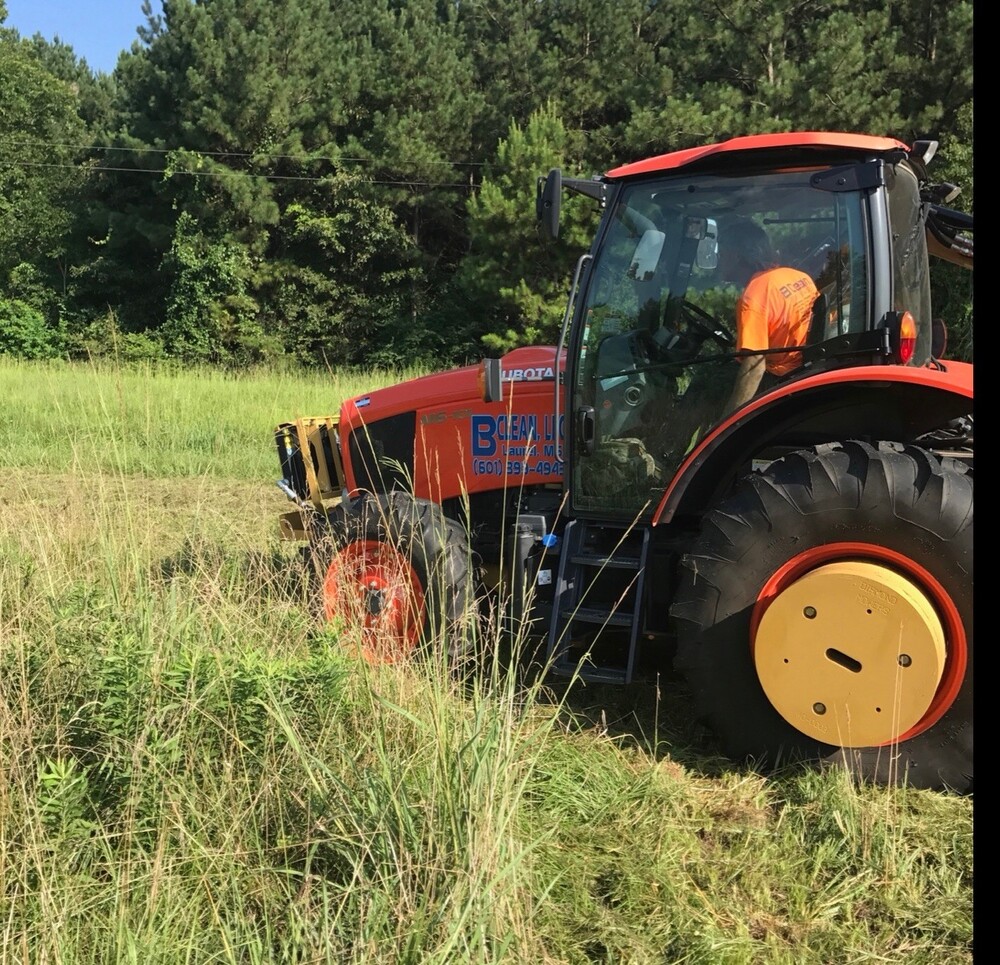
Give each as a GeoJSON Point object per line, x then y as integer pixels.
{"type": "Point", "coordinates": [304, 158]}
{"type": "Point", "coordinates": [228, 174]}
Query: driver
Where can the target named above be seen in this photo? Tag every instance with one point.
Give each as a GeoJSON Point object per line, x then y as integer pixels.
{"type": "Point", "coordinates": [773, 311]}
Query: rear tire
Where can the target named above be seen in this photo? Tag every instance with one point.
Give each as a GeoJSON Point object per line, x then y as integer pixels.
{"type": "Point", "coordinates": [395, 568]}
{"type": "Point", "coordinates": [883, 537]}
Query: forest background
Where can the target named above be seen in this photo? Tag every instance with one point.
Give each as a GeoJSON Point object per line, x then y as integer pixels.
{"type": "Point", "coordinates": [351, 182]}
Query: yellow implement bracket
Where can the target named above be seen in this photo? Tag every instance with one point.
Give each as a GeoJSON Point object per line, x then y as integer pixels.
{"type": "Point", "coordinates": [317, 442]}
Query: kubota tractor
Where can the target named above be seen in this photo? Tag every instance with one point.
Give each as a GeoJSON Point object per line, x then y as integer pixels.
{"type": "Point", "coordinates": [806, 559]}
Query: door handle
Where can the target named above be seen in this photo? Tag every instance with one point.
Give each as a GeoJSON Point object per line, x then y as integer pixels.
{"type": "Point", "coordinates": [586, 429]}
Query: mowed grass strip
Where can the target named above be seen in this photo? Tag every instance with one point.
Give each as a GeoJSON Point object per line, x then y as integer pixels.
{"type": "Point", "coordinates": [195, 769]}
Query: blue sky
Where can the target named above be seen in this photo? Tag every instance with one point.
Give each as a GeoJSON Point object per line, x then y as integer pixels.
{"type": "Point", "coordinates": [97, 30]}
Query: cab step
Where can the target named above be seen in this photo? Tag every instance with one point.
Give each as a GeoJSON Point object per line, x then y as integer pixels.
{"type": "Point", "coordinates": [598, 603]}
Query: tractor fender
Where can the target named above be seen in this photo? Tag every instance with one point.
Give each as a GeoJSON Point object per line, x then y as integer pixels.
{"type": "Point", "coordinates": [898, 403]}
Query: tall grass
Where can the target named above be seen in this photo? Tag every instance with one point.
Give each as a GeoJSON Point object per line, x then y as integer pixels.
{"type": "Point", "coordinates": [158, 420]}
{"type": "Point", "coordinates": [192, 769]}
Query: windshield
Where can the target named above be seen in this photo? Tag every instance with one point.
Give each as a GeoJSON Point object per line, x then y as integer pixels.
{"type": "Point", "coordinates": [657, 357]}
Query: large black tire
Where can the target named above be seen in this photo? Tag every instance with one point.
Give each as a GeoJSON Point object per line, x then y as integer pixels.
{"type": "Point", "coordinates": [396, 570]}
{"type": "Point", "coordinates": [898, 511]}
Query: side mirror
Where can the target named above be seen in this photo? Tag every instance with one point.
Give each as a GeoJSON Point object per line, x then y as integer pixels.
{"type": "Point", "coordinates": [547, 195]}
{"type": "Point", "coordinates": [707, 256]}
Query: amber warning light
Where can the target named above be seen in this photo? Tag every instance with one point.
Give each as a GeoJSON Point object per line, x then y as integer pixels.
{"type": "Point", "coordinates": [906, 339]}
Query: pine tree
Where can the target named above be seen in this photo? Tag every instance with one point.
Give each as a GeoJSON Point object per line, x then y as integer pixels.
{"type": "Point", "coordinates": [40, 137]}
{"type": "Point", "coordinates": [513, 282]}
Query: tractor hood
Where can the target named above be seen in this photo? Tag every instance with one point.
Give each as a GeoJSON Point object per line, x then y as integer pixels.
{"type": "Point", "coordinates": [523, 365]}
{"type": "Point", "coordinates": [437, 437]}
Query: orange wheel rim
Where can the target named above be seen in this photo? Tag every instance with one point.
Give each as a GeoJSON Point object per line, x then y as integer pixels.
{"type": "Point", "coordinates": [371, 585]}
{"type": "Point", "coordinates": [947, 611]}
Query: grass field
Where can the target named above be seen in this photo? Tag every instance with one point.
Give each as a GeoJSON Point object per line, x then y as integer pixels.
{"type": "Point", "coordinates": [193, 769]}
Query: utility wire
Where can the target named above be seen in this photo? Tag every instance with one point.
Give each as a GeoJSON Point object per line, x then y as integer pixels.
{"type": "Point", "coordinates": [305, 158]}
{"type": "Point", "coordinates": [228, 174]}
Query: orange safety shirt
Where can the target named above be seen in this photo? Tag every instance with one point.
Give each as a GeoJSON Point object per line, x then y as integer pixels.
{"type": "Point", "coordinates": [775, 310]}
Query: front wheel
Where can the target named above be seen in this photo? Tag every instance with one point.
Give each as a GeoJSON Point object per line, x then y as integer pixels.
{"type": "Point", "coordinates": [825, 612]}
{"type": "Point", "coordinates": [397, 571]}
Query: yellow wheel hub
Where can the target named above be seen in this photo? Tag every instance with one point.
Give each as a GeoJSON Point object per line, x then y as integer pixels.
{"type": "Point", "coordinates": [851, 654]}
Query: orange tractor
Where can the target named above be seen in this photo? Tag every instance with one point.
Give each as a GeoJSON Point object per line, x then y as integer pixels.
{"type": "Point", "coordinates": [804, 557]}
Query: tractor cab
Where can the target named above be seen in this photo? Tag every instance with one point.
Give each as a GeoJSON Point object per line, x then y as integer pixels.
{"type": "Point", "coordinates": [653, 348]}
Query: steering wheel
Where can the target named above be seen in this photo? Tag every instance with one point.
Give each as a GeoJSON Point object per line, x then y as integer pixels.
{"type": "Point", "coordinates": [706, 325]}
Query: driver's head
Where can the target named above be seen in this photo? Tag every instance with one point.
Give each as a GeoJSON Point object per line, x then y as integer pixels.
{"type": "Point", "coordinates": [744, 249]}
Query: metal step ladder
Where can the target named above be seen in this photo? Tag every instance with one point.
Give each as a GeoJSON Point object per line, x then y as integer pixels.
{"type": "Point", "coordinates": [597, 610]}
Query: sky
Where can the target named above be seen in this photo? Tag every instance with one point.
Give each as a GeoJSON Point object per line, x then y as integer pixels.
{"type": "Point", "coordinates": [97, 30]}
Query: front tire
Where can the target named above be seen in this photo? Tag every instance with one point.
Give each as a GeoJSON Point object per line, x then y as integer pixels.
{"type": "Point", "coordinates": [396, 569]}
{"type": "Point", "coordinates": [825, 612]}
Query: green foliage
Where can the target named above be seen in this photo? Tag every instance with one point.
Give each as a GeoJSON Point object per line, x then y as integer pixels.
{"type": "Point", "coordinates": [28, 283]}
{"type": "Point", "coordinates": [24, 332]}
{"type": "Point", "coordinates": [951, 286]}
{"type": "Point", "coordinates": [39, 128]}
{"type": "Point", "coordinates": [341, 285]}
{"type": "Point", "coordinates": [211, 317]}
{"type": "Point", "coordinates": [64, 800]}
{"type": "Point", "coordinates": [514, 278]}
{"type": "Point", "coordinates": [502, 40]}
{"type": "Point", "coordinates": [94, 93]}
{"type": "Point", "coordinates": [361, 184]}
{"type": "Point", "coordinates": [104, 338]}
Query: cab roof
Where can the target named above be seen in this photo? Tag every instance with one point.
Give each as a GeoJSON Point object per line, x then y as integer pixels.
{"type": "Point", "coordinates": [757, 142]}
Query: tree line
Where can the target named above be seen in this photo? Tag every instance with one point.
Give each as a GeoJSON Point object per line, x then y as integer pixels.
{"type": "Point", "coordinates": [351, 182]}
